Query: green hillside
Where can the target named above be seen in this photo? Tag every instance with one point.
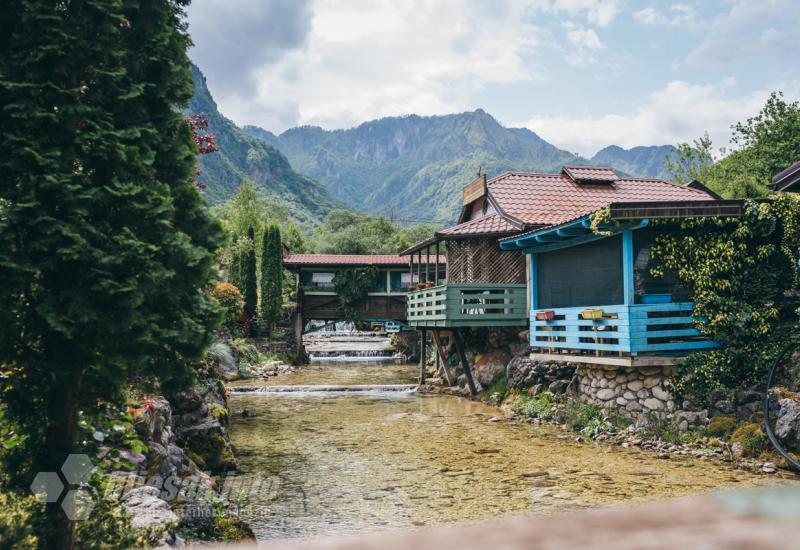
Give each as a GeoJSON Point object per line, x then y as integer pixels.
{"type": "Point", "coordinates": [413, 167]}
{"type": "Point", "coordinates": [637, 161]}
{"type": "Point", "coordinates": [241, 155]}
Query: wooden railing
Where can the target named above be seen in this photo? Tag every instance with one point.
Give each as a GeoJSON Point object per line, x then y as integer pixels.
{"type": "Point", "coordinates": [634, 329]}
{"type": "Point", "coordinates": [468, 304]}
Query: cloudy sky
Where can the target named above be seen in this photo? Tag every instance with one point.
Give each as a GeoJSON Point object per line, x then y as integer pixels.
{"type": "Point", "coordinates": [583, 74]}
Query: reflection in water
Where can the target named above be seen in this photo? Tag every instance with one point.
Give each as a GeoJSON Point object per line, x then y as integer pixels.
{"type": "Point", "coordinates": [358, 463]}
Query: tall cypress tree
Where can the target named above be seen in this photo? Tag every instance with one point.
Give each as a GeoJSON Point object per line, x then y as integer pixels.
{"type": "Point", "coordinates": [271, 277]}
{"type": "Point", "coordinates": [250, 277]}
{"type": "Point", "coordinates": [105, 243]}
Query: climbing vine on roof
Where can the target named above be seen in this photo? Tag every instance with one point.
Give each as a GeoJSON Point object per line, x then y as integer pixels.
{"type": "Point", "coordinates": [743, 276]}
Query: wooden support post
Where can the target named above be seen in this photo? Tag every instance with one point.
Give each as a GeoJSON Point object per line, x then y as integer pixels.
{"type": "Point", "coordinates": [427, 264]}
{"type": "Point", "coordinates": [300, 352]}
{"type": "Point", "coordinates": [440, 354]}
{"type": "Point", "coordinates": [437, 264]}
{"type": "Point", "coordinates": [423, 348]}
{"type": "Point", "coordinates": [419, 266]}
{"type": "Point", "coordinates": [464, 363]}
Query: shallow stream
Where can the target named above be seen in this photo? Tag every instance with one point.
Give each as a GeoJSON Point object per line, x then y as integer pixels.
{"type": "Point", "coordinates": [361, 462]}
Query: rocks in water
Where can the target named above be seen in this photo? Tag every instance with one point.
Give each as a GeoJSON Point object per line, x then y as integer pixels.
{"type": "Point", "coordinates": [787, 426]}
{"type": "Point", "coordinates": [491, 366]}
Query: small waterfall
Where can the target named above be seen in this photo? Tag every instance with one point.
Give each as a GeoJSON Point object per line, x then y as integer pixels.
{"type": "Point", "coordinates": [332, 389]}
{"type": "Point", "coordinates": [358, 356]}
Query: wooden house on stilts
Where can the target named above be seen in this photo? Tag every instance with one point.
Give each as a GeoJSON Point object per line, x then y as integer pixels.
{"type": "Point", "coordinates": [524, 252]}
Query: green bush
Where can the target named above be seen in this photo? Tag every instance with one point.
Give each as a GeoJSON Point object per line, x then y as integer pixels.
{"type": "Point", "coordinates": [722, 426]}
{"type": "Point", "coordinates": [541, 406]}
{"type": "Point", "coordinates": [20, 520]}
{"type": "Point", "coordinates": [498, 390]}
{"type": "Point", "coordinates": [590, 419]}
{"type": "Point", "coordinates": [752, 438]}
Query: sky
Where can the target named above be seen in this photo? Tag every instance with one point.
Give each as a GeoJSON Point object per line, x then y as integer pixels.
{"type": "Point", "coordinates": [583, 74]}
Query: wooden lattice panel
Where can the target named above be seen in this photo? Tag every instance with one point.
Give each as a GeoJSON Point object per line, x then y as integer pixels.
{"type": "Point", "coordinates": [482, 261]}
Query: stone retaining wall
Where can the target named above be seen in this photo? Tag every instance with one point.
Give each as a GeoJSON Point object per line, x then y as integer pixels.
{"type": "Point", "coordinates": [633, 392]}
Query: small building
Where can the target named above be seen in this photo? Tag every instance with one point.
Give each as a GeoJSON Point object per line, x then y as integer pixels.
{"type": "Point", "coordinates": [316, 291]}
{"type": "Point", "coordinates": [593, 298]}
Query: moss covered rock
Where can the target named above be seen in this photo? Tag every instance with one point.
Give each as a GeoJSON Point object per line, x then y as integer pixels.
{"type": "Point", "coordinates": [722, 426]}
{"type": "Point", "coordinates": [752, 438]}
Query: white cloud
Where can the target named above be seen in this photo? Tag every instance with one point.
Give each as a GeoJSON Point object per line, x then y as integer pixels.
{"type": "Point", "coordinates": [678, 112]}
{"type": "Point", "coordinates": [678, 15]}
{"type": "Point", "coordinates": [750, 28]}
{"type": "Point", "coordinates": [583, 37]}
{"type": "Point", "coordinates": [598, 12]}
{"type": "Point", "coordinates": [393, 58]}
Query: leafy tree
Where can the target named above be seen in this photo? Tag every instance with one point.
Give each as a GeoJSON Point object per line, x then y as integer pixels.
{"type": "Point", "coordinates": [767, 143]}
{"type": "Point", "coordinates": [250, 278]}
{"type": "Point", "coordinates": [691, 162]}
{"type": "Point", "coordinates": [271, 277]}
{"type": "Point", "coordinates": [771, 138]}
{"type": "Point", "coordinates": [105, 242]}
{"type": "Point", "coordinates": [294, 239]}
{"type": "Point", "coordinates": [346, 232]}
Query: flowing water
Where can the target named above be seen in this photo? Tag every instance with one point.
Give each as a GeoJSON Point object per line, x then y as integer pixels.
{"type": "Point", "coordinates": [349, 462]}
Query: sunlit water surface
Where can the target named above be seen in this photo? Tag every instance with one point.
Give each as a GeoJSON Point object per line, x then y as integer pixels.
{"type": "Point", "coordinates": [356, 463]}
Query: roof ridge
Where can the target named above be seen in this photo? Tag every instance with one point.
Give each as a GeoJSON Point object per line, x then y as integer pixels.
{"type": "Point", "coordinates": [668, 182]}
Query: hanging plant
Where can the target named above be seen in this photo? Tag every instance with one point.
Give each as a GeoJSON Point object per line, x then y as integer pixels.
{"type": "Point", "coordinates": [352, 287]}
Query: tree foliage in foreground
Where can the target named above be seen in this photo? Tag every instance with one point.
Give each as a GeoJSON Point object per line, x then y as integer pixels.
{"type": "Point", "coordinates": [271, 277]}
{"type": "Point", "coordinates": [742, 274]}
{"type": "Point", "coordinates": [105, 243]}
{"type": "Point", "coordinates": [765, 144]}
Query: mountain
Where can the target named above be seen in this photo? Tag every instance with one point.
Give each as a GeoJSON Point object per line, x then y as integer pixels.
{"type": "Point", "coordinates": [413, 168]}
{"type": "Point", "coordinates": [241, 155]}
{"type": "Point", "coordinates": [637, 161]}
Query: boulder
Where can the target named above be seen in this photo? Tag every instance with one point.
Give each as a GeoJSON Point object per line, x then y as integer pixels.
{"type": "Point", "coordinates": [187, 401]}
{"type": "Point", "coordinates": [197, 515]}
{"type": "Point", "coordinates": [787, 426]}
{"type": "Point", "coordinates": [153, 420]}
{"type": "Point", "coordinates": [558, 386]}
{"type": "Point", "coordinates": [491, 366]}
{"type": "Point", "coordinates": [147, 509]}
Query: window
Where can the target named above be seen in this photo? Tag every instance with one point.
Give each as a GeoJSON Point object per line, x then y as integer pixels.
{"type": "Point", "coordinates": [585, 275]}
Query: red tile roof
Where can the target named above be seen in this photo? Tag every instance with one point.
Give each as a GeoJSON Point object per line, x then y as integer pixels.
{"type": "Point", "coordinates": [351, 259]}
{"type": "Point", "coordinates": [584, 173]}
{"type": "Point", "coordinates": [550, 199]}
{"type": "Point", "coordinates": [491, 224]}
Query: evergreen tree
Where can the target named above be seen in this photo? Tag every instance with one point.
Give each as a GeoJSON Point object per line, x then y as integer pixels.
{"type": "Point", "coordinates": [271, 277]}
{"type": "Point", "coordinates": [250, 278]}
{"type": "Point", "coordinates": [105, 243]}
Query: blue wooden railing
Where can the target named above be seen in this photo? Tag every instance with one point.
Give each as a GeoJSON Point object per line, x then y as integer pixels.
{"type": "Point", "coordinates": [634, 329]}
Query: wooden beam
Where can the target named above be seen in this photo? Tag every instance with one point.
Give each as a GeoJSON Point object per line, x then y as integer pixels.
{"type": "Point", "coordinates": [423, 348]}
{"type": "Point", "coordinates": [464, 363]}
{"type": "Point", "coordinates": [442, 355]}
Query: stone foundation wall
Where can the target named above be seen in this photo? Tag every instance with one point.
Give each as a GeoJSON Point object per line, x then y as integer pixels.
{"type": "Point", "coordinates": [634, 392]}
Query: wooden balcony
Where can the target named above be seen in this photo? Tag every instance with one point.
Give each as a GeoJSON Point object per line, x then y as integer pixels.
{"type": "Point", "coordinates": [468, 305]}
{"type": "Point", "coordinates": [618, 330]}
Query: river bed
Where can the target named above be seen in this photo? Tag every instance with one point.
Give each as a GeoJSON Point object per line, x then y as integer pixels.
{"type": "Point", "coordinates": [343, 464]}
